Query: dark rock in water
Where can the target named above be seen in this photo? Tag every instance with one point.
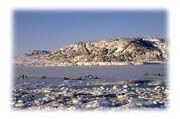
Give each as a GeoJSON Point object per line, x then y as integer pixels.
{"type": "Point", "coordinates": [140, 81]}
{"type": "Point", "coordinates": [21, 77]}
{"type": "Point", "coordinates": [44, 77]}
{"type": "Point", "coordinates": [148, 82]}
{"type": "Point", "coordinates": [72, 78]}
{"type": "Point", "coordinates": [90, 76]}
{"type": "Point", "coordinates": [152, 74]}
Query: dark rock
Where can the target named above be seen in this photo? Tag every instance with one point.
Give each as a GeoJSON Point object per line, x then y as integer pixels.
{"type": "Point", "coordinates": [22, 76]}
{"type": "Point", "coordinates": [44, 77]}
{"type": "Point", "coordinates": [90, 76]}
{"type": "Point", "coordinates": [152, 74]}
{"type": "Point", "coordinates": [36, 52]}
{"type": "Point", "coordinates": [72, 78]}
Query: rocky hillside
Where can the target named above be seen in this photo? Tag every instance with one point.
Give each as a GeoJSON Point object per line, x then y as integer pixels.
{"type": "Point", "coordinates": [36, 52]}
{"type": "Point", "coordinates": [104, 52]}
{"type": "Point", "coordinates": [29, 57]}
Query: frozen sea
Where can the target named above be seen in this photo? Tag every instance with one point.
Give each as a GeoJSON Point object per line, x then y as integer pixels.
{"type": "Point", "coordinates": [103, 93]}
{"type": "Point", "coordinates": [55, 75]}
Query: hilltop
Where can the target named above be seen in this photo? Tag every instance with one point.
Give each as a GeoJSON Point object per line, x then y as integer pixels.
{"type": "Point", "coordinates": [120, 51]}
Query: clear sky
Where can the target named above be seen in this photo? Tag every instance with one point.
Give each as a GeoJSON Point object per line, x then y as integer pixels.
{"type": "Point", "coordinates": [51, 30]}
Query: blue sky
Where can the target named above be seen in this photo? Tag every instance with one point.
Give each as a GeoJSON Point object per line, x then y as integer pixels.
{"type": "Point", "coordinates": [50, 30]}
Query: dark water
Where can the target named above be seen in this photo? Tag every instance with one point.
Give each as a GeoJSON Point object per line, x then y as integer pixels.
{"type": "Point", "coordinates": [105, 73]}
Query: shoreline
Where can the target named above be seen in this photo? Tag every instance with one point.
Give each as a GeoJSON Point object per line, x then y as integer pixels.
{"type": "Point", "coordinates": [118, 96]}
{"type": "Point", "coordinates": [93, 64]}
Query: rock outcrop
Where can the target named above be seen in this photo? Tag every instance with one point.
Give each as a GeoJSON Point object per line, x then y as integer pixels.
{"type": "Point", "coordinates": [119, 51]}
{"type": "Point", "coordinates": [30, 57]}
{"type": "Point", "coordinates": [36, 52]}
